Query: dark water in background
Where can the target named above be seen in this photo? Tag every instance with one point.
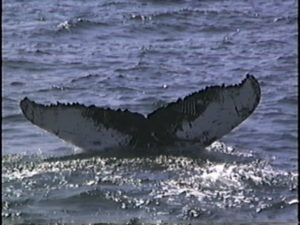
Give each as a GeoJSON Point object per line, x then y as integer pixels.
{"type": "Point", "coordinates": [140, 55]}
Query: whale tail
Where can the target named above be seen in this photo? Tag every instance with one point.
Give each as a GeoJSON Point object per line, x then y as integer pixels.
{"type": "Point", "coordinates": [201, 117]}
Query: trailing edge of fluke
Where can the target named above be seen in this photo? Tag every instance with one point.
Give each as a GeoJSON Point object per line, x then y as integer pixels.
{"type": "Point", "coordinates": [202, 117]}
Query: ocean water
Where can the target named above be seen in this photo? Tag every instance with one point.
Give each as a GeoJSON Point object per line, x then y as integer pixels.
{"type": "Point", "coordinates": [140, 55]}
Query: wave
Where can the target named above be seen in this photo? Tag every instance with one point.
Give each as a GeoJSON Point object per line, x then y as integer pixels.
{"type": "Point", "coordinates": [83, 78]}
{"type": "Point", "coordinates": [13, 118]}
{"type": "Point", "coordinates": [27, 65]}
{"type": "Point", "coordinates": [56, 88]}
{"type": "Point", "coordinates": [77, 24]}
{"type": "Point", "coordinates": [291, 99]}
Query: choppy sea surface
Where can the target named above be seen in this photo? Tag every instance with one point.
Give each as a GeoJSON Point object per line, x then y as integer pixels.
{"type": "Point", "coordinates": [140, 55]}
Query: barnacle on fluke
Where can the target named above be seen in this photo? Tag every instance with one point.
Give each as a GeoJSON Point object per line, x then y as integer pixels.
{"type": "Point", "coordinates": [201, 117]}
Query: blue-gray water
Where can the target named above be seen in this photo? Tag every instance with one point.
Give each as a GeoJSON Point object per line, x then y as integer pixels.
{"type": "Point", "coordinates": [140, 55]}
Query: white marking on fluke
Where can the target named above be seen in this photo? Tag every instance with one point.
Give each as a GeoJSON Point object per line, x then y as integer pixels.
{"type": "Point", "coordinates": [201, 117]}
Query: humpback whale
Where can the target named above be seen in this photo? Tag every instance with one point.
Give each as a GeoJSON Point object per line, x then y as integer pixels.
{"type": "Point", "coordinates": [201, 117]}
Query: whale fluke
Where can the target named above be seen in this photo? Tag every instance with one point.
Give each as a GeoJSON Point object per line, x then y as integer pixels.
{"type": "Point", "coordinates": [202, 117]}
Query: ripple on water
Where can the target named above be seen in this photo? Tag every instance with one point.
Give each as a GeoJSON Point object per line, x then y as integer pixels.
{"type": "Point", "coordinates": [180, 186]}
{"type": "Point", "coordinates": [140, 55]}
